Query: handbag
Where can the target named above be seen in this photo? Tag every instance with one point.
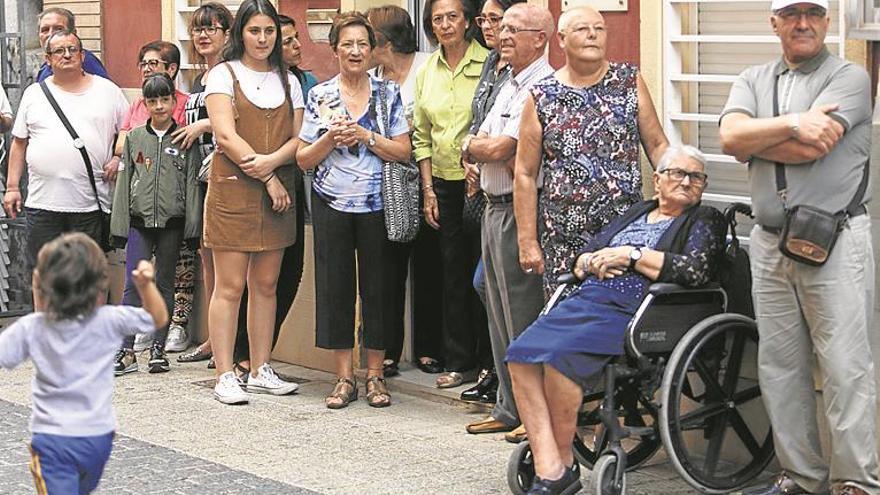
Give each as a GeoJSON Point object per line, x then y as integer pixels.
{"type": "Point", "coordinates": [104, 239]}
{"type": "Point", "coordinates": [472, 215]}
{"type": "Point", "coordinates": [808, 234]}
{"type": "Point", "coordinates": [400, 187]}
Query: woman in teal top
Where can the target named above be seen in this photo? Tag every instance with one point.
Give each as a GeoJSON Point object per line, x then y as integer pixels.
{"type": "Point", "coordinates": [445, 87]}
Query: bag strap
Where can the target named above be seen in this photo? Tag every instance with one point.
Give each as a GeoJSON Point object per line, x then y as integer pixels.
{"type": "Point", "coordinates": [383, 109]}
{"type": "Point", "coordinates": [77, 142]}
{"type": "Point", "coordinates": [782, 185]}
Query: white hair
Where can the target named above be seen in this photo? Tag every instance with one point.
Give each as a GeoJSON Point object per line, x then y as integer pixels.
{"type": "Point", "coordinates": [569, 15]}
{"type": "Point", "coordinates": [684, 150]}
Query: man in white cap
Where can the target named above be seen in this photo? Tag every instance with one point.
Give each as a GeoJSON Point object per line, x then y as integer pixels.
{"type": "Point", "coordinates": [803, 123]}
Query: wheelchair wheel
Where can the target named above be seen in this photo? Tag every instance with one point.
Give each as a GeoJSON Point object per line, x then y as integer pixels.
{"type": "Point", "coordinates": [521, 469]}
{"type": "Point", "coordinates": [602, 478]}
{"type": "Point", "coordinates": [591, 436]}
{"type": "Point", "coordinates": [711, 405]}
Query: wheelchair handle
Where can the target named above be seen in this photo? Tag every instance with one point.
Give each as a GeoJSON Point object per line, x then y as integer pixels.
{"type": "Point", "coordinates": [567, 278]}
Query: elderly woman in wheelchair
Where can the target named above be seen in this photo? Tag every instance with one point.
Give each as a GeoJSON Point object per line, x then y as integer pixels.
{"type": "Point", "coordinates": [671, 238]}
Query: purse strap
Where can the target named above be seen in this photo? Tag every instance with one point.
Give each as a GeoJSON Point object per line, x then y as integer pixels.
{"type": "Point", "coordinates": [77, 141]}
{"type": "Point", "coordinates": [383, 109]}
{"type": "Point", "coordinates": [852, 209]}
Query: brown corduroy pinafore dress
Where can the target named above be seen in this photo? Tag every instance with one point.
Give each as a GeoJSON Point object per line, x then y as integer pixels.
{"type": "Point", "coordinates": [238, 210]}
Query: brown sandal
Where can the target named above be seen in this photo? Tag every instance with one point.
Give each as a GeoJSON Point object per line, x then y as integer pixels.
{"type": "Point", "coordinates": [345, 392]}
{"type": "Point", "coordinates": [377, 392]}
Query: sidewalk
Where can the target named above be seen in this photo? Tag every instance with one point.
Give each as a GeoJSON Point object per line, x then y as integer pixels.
{"type": "Point", "coordinates": [174, 438]}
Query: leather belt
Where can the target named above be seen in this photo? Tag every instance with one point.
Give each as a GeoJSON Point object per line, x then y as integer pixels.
{"type": "Point", "coordinates": [860, 210]}
{"type": "Point", "coordinates": [501, 198]}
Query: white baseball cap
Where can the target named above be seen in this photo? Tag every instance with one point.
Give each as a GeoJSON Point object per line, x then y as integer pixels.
{"type": "Point", "coordinates": [781, 4]}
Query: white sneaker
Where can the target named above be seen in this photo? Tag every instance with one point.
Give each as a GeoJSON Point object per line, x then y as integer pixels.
{"type": "Point", "coordinates": [142, 342]}
{"type": "Point", "coordinates": [228, 390]}
{"type": "Point", "coordinates": [178, 340]}
{"type": "Point", "coordinates": [267, 382]}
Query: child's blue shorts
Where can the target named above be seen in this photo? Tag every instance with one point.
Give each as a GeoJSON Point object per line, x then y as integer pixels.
{"type": "Point", "coordinates": [68, 465]}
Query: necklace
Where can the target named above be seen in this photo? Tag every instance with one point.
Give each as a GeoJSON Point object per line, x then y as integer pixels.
{"type": "Point", "coordinates": [350, 94]}
{"type": "Point", "coordinates": [263, 80]}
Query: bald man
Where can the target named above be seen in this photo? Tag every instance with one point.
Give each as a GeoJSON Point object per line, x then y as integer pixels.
{"type": "Point", "coordinates": [513, 298]}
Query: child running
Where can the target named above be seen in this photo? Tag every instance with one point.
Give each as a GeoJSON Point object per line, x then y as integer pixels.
{"type": "Point", "coordinates": [156, 206]}
{"type": "Point", "coordinates": [70, 338]}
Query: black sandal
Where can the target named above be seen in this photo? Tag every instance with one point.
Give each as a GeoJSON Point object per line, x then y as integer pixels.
{"type": "Point", "coordinates": [345, 391]}
{"type": "Point", "coordinates": [241, 372]}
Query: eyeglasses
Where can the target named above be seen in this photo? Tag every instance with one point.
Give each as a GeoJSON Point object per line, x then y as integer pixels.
{"type": "Point", "coordinates": [152, 64]}
{"type": "Point", "coordinates": [452, 17]}
{"type": "Point", "coordinates": [488, 20]}
{"type": "Point", "coordinates": [678, 175]}
{"type": "Point", "coordinates": [61, 50]}
{"type": "Point", "coordinates": [793, 13]}
{"type": "Point", "coordinates": [513, 30]}
{"type": "Point", "coordinates": [209, 30]}
{"type": "Point", "coordinates": [584, 29]}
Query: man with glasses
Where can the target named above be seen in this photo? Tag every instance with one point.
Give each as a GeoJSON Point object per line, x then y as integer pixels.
{"type": "Point", "coordinates": [803, 123]}
{"type": "Point", "coordinates": [60, 194]}
{"type": "Point", "coordinates": [57, 19]}
{"type": "Point", "coordinates": [513, 298]}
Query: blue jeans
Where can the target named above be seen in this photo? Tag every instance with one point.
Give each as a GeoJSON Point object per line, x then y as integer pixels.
{"type": "Point", "coordinates": [68, 465]}
{"type": "Point", "coordinates": [143, 243]}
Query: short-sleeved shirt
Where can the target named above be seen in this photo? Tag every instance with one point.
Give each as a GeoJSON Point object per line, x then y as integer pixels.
{"type": "Point", "coordinates": [263, 89]}
{"type": "Point", "coordinates": [57, 177]}
{"type": "Point", "coordinates": [831, 181]}
{"type": "Point", "coordinates": [5, 107]}
{"type": "Point", "coordinates": [73, 361]}
{"type": "Point", "coordinates": [350, 180]}
{"type": "Point", "coordinates": [503, 119]}
{"type": "Point", "coordinates": [138, 114]}
{"type": "Point", "coordinates": [442, 114]}
{"type": "Point", "coordinates": [91, 65]}
{"type": "Point", "coordinates": [408, 88]}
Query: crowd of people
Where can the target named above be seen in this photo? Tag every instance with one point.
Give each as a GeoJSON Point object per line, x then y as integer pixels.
{"type": "Point", "coordinates": [526, 173]}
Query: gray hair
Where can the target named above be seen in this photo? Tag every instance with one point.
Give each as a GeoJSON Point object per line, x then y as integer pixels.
{"type": "Point", "coordinates": [685, 150]}
{"type": "Point", "coordinates": [566, 18]}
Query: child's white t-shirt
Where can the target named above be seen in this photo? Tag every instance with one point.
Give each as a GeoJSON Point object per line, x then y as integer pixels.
{"type": "Point", "coordinates": [73, 360]}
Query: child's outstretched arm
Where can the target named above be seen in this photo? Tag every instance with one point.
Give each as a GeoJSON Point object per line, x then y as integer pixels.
{"type": "Point", "coordinates": [144, 281]}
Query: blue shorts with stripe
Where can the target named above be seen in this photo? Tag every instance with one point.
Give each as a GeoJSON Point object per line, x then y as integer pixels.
{"type": "Point", "coordinates": [68, 465]}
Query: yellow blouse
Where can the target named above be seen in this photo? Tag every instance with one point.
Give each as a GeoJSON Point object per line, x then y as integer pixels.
{"type": "Point", "coordinates": [442, 112]}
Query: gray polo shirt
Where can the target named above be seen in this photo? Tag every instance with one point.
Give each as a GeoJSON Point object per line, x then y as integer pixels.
{"type": "Point", "coordinates": [831, 181]}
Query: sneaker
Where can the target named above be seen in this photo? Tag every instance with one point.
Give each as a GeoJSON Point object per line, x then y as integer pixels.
{"type": "Point", "coordinates": [158, 362]}
{"type": "Point", "coordinates": [178, 339]}
{"type": "Point", "coordinates": [267, 382]}
{"type": "Point", "coordinates": [228, 390]}
{"type": "Point", "coordinates": [142, 341]}
{"type": "Point", "coordinates": [126, 362]}
{"type": "Point", "coordinates": [569, 484]}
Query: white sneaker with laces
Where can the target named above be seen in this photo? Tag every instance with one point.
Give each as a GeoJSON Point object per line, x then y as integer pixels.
{"type": "Point", "coordinates": [142, 341]}
{"type": "Point", "coordinates": [178, 340]}
{"type": "Point", "coordinates": [228, 390]}
{"type": "Point", "coordinates": [267, 382]}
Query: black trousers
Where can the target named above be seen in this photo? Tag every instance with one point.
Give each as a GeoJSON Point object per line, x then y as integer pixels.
{"type": "Point", "coordinates": [465, 329]}
{"type": "Point", "coordinates": [45, 225]}
{"type": "Point", "coordinates": [427, 305]}
{"type": "Point", "coordinates": [345, 242]}
{"type": "Point", "coordinates": [289, 277]}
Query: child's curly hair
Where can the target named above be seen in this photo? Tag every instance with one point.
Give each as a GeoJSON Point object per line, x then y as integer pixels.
{"type": "Point", "coordinates": [72, 272]}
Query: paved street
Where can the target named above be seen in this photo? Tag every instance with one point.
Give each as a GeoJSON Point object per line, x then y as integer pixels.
{"type": "Point", "coordinates": [175, 439]}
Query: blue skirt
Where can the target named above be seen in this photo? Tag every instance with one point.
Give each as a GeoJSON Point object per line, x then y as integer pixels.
{"type": "Point", "coordinates": [580, 335]}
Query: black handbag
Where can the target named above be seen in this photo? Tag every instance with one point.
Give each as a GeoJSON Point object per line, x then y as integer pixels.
{"type": "Point", "coordinates": [400, 187]}
{"type": "Point", "coordinates": [809, 233]}
{"type": "Point", "coordinates": [104, 239]}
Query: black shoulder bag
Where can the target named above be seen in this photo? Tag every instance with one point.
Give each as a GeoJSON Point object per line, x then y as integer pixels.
{"type": "Point", "coordinates": [104, 240]}
{"type": "Point", "coordinates": [809, 233]}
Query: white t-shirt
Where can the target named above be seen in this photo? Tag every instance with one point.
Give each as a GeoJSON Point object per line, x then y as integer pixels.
{"type": "Point", "coordinates": [263, 89]}
{"type": "Point", "coordinates": [57, 178]}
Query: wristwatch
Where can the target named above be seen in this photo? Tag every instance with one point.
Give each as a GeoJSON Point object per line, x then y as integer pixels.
{"type": "Point", "coordinates": [794, 122]}
{"type": "Point", "coordinates": [372, 141]}
{"type": "Point", "coordinates": [634, 256]}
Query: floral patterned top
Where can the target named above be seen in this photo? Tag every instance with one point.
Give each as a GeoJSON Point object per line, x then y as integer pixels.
{"type": "Point", "coordinates": [590, 161]}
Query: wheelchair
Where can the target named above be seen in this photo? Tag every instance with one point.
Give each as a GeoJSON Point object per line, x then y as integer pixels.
{"type": "Point", "coordinates": [687, 382]}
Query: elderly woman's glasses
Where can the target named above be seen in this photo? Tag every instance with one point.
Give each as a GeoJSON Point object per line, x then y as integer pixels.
{"type": "Point", "coordinates": [488, 20]}
{"type": "Point", "coordinates": [152, 64]}
{"type": "Point", "coordinates": [452, 17]}
{"type": "Point", "coordinates": [678, 175]}
{"type": "Point", "coordinates": [61, 50]}
{"type": "Point", "coordinates": [209, 30]}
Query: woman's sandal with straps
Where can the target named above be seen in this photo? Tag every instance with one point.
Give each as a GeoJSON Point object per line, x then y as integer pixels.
{"type": "Point", "coordinates": [344, 393]}
{"type": "Point", "coordinates": [377, 392]}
